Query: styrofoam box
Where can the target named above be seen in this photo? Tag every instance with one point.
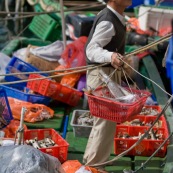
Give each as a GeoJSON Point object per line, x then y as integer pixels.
{"type": "Point", "coordinates": [157, 18]}
{"type": "Point", "coordinates": [79, 130]}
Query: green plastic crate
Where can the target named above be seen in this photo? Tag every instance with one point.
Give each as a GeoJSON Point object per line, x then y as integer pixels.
{"type": "Point", "coordinates": [46, 28]}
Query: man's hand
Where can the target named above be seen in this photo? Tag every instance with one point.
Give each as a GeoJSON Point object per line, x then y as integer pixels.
{"type": "Point", "coordinates": [115, 60]}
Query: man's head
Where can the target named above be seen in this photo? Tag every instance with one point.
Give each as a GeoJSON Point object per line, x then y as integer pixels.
{"type": "Point", "coordinates": [119, 5]}
{"type": "Point", "coordinates": [120, 2]}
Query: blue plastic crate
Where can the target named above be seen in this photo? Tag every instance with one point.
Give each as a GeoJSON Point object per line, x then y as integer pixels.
{"type": "Point", "coordinates": [19, 94]}
{"type": "Point", "coordinates": [149, 2]}
{"type": "Point", "coordinates": [169, 59]}
{"type": "Point", "coordinates": [167, 3]}
{"type": "Point", "coordinates": [16, 65]}
{"type": "Point", "coordinates": [136, 3]}
{"type": "Point", "coordinates": [169, 62]}
{"type": "Point", "coordinates": [5, 111]}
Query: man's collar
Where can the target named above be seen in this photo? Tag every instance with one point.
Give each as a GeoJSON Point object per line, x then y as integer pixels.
{"type": "Point", "coordinates": [121, 18]}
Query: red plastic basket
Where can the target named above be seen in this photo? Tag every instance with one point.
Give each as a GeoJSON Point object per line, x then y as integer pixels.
{"type": "Point", "coordinates": [60, 151]}
{"type": "Point", "coordinates": [116, 111]}
{"type": "Point", "coordinates": [147, 121]}
{"type": "Point", "coordinates": [47, 87]}
{"type": "Point", "coordinates": [145, 148]}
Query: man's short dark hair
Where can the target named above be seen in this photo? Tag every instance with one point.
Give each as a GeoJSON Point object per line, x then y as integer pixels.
{"type": "Point", "coordinates": [106, 1]}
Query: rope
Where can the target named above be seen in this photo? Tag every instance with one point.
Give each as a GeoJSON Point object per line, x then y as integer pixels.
{"type": "Point", "coordinates": [147, 78]}
{"type": "Point", "coordinates": [162, 39]}
{"type": "Point", "coordinates": [139, 50]}
{"type": "Point", "coordinates": [106, 82]}
{"type": "Point", "coordinates": [32, 14]}
{"type": "Point", "coordinates": [80, 7]}
{"type": "Point", "coordinates": [48, 77]}
{"type": "Point", "coordinates": [49, 71]}
{"type": "Point", "coordinates": [85, 68]}
{"type": "Point", "coordinates": [88, 68]}
{"type": "Point", "coordinates": [142, 137]}
{"type": "Point", "coordinates": [143, 164]}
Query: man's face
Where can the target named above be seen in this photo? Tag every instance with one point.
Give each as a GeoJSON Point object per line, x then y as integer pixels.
{"type": "Point", "coordinates": [124, 3]}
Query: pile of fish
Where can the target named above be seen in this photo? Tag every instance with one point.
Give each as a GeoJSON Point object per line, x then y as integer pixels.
{"type": "Point", "coordinates": [85, 119]}
{"type": "Point", "coordinates": [153, 135]}
{"type": "Point", "coordinates": [45, 143]}
{"type": "Point", "coordinates": [138, 122]}
{"type": "Point", "coordinates": [149, 111]}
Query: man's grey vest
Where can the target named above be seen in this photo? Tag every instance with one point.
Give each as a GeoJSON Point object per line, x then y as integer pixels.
{"type": "Point", "coordinates": [117, 44]}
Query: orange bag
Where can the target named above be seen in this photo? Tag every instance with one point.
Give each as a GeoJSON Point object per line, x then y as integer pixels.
{"type": "Point", "coordinates": [11, 128]}
{"type": "Point", "coordinates": [71, 166]}
{"type": "Point", "coordinates": [68, 80]}
{"type": "Point", "coordinates": [34, 112]}
{"type": "Point", "coordinates": [134, 25]}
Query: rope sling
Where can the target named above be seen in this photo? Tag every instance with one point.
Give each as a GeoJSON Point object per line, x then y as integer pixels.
{"type": "Point", "coordinates": [85, 68]}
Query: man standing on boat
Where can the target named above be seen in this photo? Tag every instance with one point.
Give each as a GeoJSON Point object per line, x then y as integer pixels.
{"type": "Point", "coordinates": [106, 43]}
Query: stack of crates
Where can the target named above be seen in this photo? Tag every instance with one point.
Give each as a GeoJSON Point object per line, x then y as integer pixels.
{"type": "Point", "coordinates": [16, 65]}
{"type": "Point", "coordinates": [19, 90]}
{"type": "Point", "coordinates": [128, 134]}
{"type": "Point", "coordinates": [46, 28]}
{"type": "Point", "coordinates": [56, 91]}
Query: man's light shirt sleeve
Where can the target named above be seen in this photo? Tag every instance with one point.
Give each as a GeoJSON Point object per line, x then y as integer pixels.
{"type": "Point", "coordinates": [102, 36]}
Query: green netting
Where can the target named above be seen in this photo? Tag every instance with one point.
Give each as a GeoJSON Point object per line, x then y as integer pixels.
{"type": "Point", "coordinates": [22, 42]}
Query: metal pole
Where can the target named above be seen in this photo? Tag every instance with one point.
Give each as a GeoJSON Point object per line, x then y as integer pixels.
{"type": "Point", "coordinates": [20, 131]}
{"type": "Point", "coordinates": [63, 22]}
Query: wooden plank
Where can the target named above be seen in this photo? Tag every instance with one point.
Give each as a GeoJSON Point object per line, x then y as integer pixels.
{"type": "Point", "coordinates": [161, 97]}
{"type": "Point", "coordinates": [154, 75]}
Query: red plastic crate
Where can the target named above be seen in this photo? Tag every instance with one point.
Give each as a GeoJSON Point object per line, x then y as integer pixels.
{"type": "Point", "coordinates": [156, 107]}
{"type": "Point", "coordinates": [146, 120]}
{"type": "Point", "coordinates": [146, 146]}
{"type": "Point", "coordinates": [60, 151]}
{"type": "Point", "coordinates": [68, 95]}
{"type": "Point", "coordinates": [34, 84]}
{"type": "Point", "coordinates": [47, 87]}
{"type": "Point", "coordinates": [74, 97]}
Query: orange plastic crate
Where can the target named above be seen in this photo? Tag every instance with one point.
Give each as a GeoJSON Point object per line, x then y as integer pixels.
{"type": "Point", "coordinates": [47, 87]}
{"type": "Point", "coordinates": [60, 151]}
{"type": "Point", "coordinates": [146, 146]}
